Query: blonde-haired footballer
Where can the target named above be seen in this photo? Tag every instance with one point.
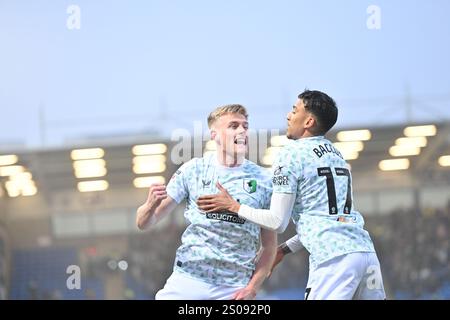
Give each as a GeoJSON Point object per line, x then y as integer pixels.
{"type": "Point", "coordinates": [216, 259]}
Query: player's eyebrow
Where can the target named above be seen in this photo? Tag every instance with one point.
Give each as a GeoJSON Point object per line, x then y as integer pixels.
{"type": "Point", "coordinates": [232, 123]}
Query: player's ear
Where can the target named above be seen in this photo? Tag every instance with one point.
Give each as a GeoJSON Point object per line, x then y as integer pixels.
{"type": "Point", "coordinates": [310, 122]}
{"type": "Point", "coordinates": [213, 134]}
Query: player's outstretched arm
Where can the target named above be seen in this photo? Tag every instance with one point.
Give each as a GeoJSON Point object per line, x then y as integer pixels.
{"type": "Point", "coordinates": [263, 266]}
{"type": "Point", "coordinates": [157, 205]}
{"type": "Point", "coordinates": [275, 219]}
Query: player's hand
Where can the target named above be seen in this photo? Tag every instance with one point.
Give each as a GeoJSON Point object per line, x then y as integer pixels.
{"type": "Point", "coordinates": [246, 293]}
{"type": "Point", "coordinates": [156, 194]}
{"type": "Point", "coordinates": [219, 202]}
{"type": "Point", "coordinates": [278, 258]}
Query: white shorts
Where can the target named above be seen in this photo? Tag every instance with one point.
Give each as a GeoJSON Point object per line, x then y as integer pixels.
{"type": "Point", "coordinates": [180, 286]}
{"type": "Point", "coordinates": [351, 276]}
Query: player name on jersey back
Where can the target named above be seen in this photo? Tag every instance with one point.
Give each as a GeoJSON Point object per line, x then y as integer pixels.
{"type": "Point", "coordinates": [325, 148]}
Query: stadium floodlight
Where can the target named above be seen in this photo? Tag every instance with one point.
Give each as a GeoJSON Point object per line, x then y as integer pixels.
{"type": "Point", "coordinates": [149, 164]}
{"type": "Point", "coordinates": [145, 182]}
{"type": "Point", "coordinates": [149, 158]}
{"type": "Point", "coordinates": [21, 183]}
{"type": "Point", "coordinates": [8, 159]}
{"type": "Point", "coordinates": [29, 190]}
{"type": "Point", "coordinates": [83, 154]}
{"type": "Point", "coordinates": [149, 167]}
{"type": "Point", "coordinates": [354, 135]}
{"type": "Point", "coordinates": [412, 141]}
{"type": "Point", "coordinates": [444, 161]}
{"type": "Point", "coordinates": [211, 145]}
{"type": "Point", "coordinates": [350, 154]}
{"type": "Point", "coordinates": [279, 141]}
{"type": "Point", "coordinates": [11, 170]}
{"type": "Point", "coordinates": [21, 176]}
{"type": "Point", "coordinates": [350, 149]}
{"type": "Point", "coordinates": [12, 189]}
{"type": "Point", "coordinates": [90, 168]}
{"type": "Point", "coordinates": [147, 149]}
{"type": "Point", "coordinates": [86, 164]}
{"type": "Point", "coordinates": [91, 172]}
{"type": "Point", "coordinates": [93, 185]}
{"type": "Point", "coordinates": [19, 187]}
{"type": "Point", "coordinates": [394, 164]}
{"type": "Point", "coordinates": [142, 160]}
{"type": "Point", "coordinates": [404, 150]}
{"type": "Point", "coordinates": [349, 146]}
{"type": "Point", "coordinates": [420, 131]}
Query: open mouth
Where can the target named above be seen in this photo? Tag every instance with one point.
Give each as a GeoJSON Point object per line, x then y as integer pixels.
{"type": "Point", "coordinates": [240, 141]}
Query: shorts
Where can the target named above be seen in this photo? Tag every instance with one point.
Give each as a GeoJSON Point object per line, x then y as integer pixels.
{"type": "Point", "coordinates": [355, 276]}
{"type": "Point", "coordinates": [180, 286]}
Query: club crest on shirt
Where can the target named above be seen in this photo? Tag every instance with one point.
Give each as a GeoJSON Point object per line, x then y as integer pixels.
{"type": "Point", "coordinates": [250, 185]}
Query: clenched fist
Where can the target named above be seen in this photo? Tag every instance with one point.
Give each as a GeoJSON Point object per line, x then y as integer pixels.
{"type": "Point", "coordinates": [156, 194]}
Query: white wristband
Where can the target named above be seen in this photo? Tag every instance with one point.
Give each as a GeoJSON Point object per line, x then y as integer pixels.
{"type": "Point", "coordinates": [294, 243]}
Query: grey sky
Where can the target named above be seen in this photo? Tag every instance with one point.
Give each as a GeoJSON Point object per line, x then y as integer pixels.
{"type": "Point", "coordinates": [138, 65]}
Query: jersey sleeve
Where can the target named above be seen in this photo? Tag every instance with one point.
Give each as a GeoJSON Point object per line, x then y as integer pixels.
{"type": "Point", "coordinates": [285, 171]}
{"type": "Point", "coordinates": [177, 188]}
{"type": "Point", "coordinates": [276, 218]}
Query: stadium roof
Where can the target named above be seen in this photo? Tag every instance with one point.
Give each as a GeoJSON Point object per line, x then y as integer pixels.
{"type": "Point", "coordinates": [54, 169]}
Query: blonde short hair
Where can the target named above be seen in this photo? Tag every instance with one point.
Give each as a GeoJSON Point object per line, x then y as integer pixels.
{"type": "Point", "coordinates": [229, 108]}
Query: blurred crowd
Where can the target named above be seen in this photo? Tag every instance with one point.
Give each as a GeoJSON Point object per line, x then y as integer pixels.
{"type": "Point", "coordinates": [414, 250]}
{"type": "Point", "coordinates": [151, 258]}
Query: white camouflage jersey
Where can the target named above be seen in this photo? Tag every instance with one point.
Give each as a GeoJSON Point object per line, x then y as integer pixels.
{"type": "Point", "coordinates": [219, 248]}
{"type": "Point", "coordinates": [324, 213]}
